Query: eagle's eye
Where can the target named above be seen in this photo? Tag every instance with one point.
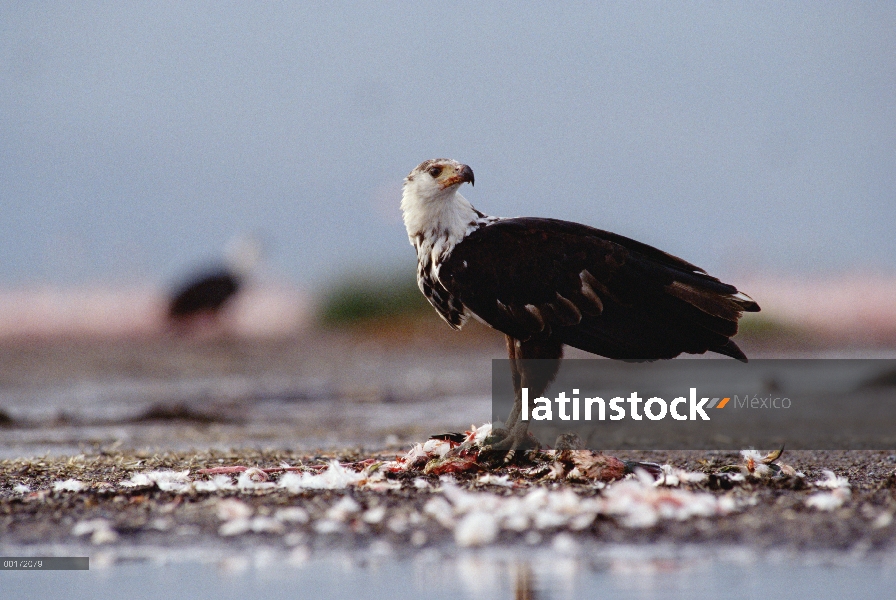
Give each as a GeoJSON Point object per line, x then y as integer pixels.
{"type": "Point", "coordinates": [435, 171]}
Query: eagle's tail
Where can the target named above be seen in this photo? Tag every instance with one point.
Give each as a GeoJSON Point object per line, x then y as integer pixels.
{"type": "Point", "coordinates": [729, 348]}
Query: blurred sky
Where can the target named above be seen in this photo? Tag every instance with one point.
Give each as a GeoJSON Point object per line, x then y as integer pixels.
{"type": "Point", "coordinates": [137, 138]}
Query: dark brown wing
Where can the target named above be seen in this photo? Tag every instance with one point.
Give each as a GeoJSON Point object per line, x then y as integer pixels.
{"type": "Point", "coordinates": [207, 291]}
{"type": "Point", "coordinates": [591, 289]}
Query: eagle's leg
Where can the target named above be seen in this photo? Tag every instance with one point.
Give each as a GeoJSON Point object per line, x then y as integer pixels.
{"type": "Point", "coordinates": [526, 372]}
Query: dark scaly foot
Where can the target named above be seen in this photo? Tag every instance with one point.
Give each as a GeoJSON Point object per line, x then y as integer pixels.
{"type": "Point", "coordinates": [505, 444]}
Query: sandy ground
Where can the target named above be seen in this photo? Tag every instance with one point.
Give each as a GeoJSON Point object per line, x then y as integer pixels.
{"type": "Point", "coordinates": [101, 413]}
{"type": "Point", "coordinates": [775, 513]}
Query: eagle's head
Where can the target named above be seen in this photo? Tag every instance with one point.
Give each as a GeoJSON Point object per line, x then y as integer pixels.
{"type": "Point", "coordinates": [430, 201]}
{"type": "Point", "coordinates": [437, 177]}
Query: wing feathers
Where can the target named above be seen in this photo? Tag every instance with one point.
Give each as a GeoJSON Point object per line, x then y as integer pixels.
{"type": "Point", "coordinates": [591, 289]}
{"type": "Point", "coordinates": [527, 318]}
{"type": "Point", "coordinates": [567, 313]}
{"type": "Point", "coordinates": [594, 305]}
{"type": "Point", "coordinates": [712, 303]}
{"type": "Point", "coordinates": [536, 314]}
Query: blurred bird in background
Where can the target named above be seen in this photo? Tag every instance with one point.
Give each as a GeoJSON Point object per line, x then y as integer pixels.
{"type": "Point", "coordinates": [201, 298]}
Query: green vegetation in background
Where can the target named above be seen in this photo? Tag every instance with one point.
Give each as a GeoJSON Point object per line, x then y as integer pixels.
{"type": "Point", "coordinates": [362, 298]}
{"type": "Point", "coordinates": [772, 332]}
{"type": "Point", "coordinates": [760, 325]}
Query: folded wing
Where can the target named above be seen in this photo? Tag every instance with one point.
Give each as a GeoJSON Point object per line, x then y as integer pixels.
{"type": "Point", "coordinates": [592, 289]}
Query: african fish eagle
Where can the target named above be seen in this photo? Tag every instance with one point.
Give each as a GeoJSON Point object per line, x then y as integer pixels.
{"type": "Point", "coordinates": [206, 292]}
{"type": "Point", "coordinates": [547, 283]}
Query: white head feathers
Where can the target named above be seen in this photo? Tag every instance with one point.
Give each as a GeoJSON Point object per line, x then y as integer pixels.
{"type": "Point", "coordinates": [431, 204]}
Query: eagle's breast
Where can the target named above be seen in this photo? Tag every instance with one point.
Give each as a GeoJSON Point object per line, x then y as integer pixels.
{"type": "Point", "coordinates": [433, 250]}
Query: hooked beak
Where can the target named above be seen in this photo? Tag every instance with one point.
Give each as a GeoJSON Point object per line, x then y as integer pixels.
{"type": "Point", "coordinates": [463, 174]}
{"type": "Point", "coordinates": [466, 174]}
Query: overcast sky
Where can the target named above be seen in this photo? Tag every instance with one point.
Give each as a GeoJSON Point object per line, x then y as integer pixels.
{"type": "Point", "coordinates": [137, 138]}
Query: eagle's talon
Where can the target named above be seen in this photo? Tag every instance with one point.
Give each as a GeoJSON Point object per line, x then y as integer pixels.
{"type": "Point", "coordinates": [499, 447]}
{"type": "Point", "coordinates": [496, 438]}
{"type": "Point", "coordinates": [505, 449]}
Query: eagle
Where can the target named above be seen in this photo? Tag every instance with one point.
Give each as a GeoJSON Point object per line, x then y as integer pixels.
{"type": "Point", "coordinates": [546, 283]}
{"type": "Point", "coordinates": [205, 293]}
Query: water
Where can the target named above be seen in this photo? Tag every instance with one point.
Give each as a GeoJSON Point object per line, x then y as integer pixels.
{"type": "Point", "coordinates": [611, 572]}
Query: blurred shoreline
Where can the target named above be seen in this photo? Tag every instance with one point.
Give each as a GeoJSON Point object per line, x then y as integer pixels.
{"type": "Point", "coordinates": [850, 310]}
{"type": "Point", "coordinates": [47, 313]}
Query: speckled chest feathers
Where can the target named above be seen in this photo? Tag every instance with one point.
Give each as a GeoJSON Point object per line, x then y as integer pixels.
{"type": "Point", "coordinates": [432, 252]}
{"type": "Point", "coordinates": [437, 220]}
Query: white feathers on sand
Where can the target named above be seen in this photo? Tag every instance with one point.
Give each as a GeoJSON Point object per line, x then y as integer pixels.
{"type": "Point", "coordinates": [237, 517]}
{"type": "Point", "coordinates": [478, 528]}
{"type": "Point", "coordinates": [100, 531]}
{"type": "Point", "coordinates": [833, 499]}
{"type": "Point", "coordinates": [476, 518]}
{"type": "Point", "coordinates": [218, 483]}
{"type": "Point", "coordinates": [69, 485]}
{"type": "Point", "coordinates": [832, 481]}
{"type": "Point", "coordinates": [673, 477]}
{"type": "Point", "coordinates": [532, 504]}
{"type": "Point", "coordinates": [638, 502]}
{"type": "Point", "coordinates": [335, 477]}
{"type": "Point", "coordinates": [167, 481]}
